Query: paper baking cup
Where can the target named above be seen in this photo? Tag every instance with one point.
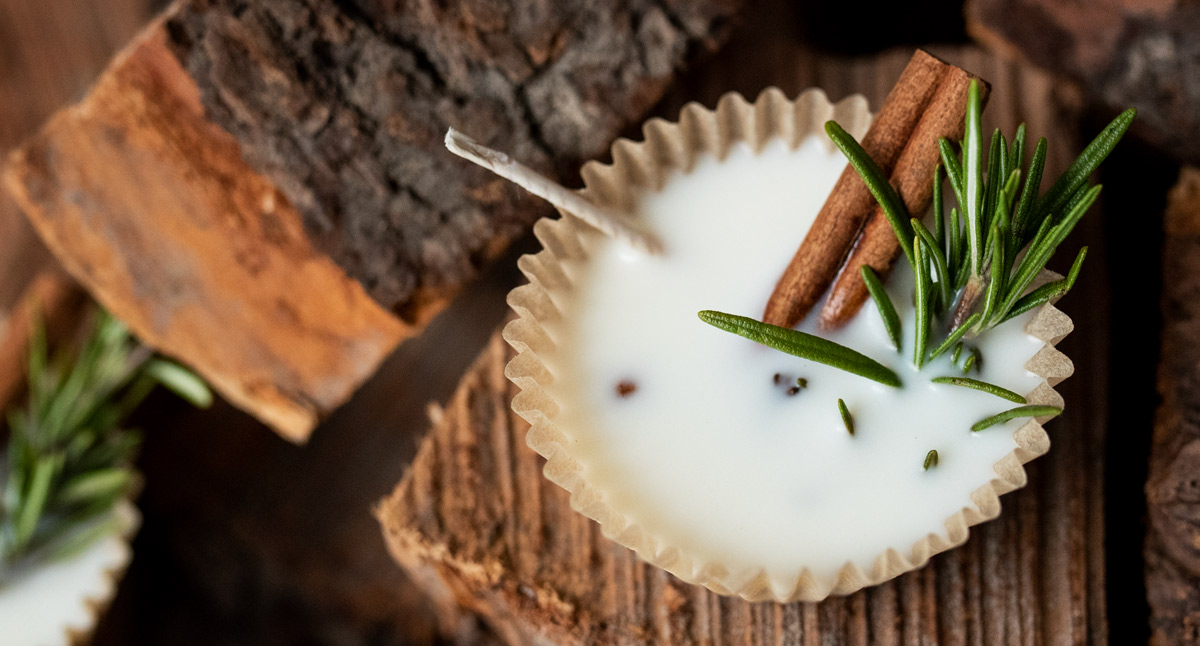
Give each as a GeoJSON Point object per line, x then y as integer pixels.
{"type": "Point", "coordinates": [61, 602]}
{"type": "Point", "coordinates": [670, 148]}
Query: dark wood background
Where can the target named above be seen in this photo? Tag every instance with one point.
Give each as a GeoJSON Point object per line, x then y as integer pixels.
{"type": "Point", "coordinates": [250, 540]}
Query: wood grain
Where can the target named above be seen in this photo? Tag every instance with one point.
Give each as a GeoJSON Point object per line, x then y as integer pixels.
{"type": "Point", "coordinates": [476, 523]}
{"type": "Point", "coordinates": [1173, 487]}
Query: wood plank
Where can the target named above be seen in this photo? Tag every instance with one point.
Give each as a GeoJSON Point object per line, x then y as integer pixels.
{"type": "Point", "coordinates": [476, 523]}
{"type": "Point", "coordinates": [272, 176]}
{"type": "Point", "coordinates": [1173, 489]}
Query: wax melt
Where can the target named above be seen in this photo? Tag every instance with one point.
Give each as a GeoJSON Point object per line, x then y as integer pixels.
{"type": "Point", "coordinates": [59, 602]}
{"type": "Point", "coordinates": [727, 463]}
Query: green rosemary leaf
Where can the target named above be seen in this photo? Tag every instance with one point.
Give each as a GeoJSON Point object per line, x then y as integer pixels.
{"type": "Point", "coordinates": [1044, 247]}
{"type": "Point", "coordinates": [1033, 181]}
{"type": "Point", "coordinates": [846, 418]}
{"type": "Point", "coordinates": [1087, 162]}
{"type": "Point", "coordinates": [931, 459]}
{"type": "Point", "coordinates": [1002, 160]}
{"type": "Point", "coordinates": [955, 338]}
{"type": "Point", "coordinates": [970, 361]}
{"type": "Point", "coordinates": [35, 496]}
{"type": "Point", "coordinates": [973, 176]}
{"type": "Point", "coordinates": [883, 303]}
{"type": "Point", "coordinates": [954, 250]}
{"type": "Point", "coordinates": [953, 168]}
{"type": "Point", "coordinates": [939, 217]}
{"type": "Point", "coordinates": [877, 183]}
{"type": "Point", "coordinates": [994, 177]}
{"type": "Point", "coordinates": [983, 386]}
{"type": "Point", "coordinates": [1014, 413]}
{"type": "Point", "coordinates": [1016, 152]}
{"type": "Point", "coordinates": [98, 483]}
{"type": "Point", "coordinates": [922, 298]}
{"type": "Point", "coordinates": [934, 252]}
{"type": "Point", "coordinates": [806, 346]}
{"type": "Point", "coordinates": [181, 381]}
{"type": "Point", "coordinates": [999, 270]}
{"type": "Point", "coordinates": [958, 346]}
{"type": "Point", "coordinates": [1049, 291]}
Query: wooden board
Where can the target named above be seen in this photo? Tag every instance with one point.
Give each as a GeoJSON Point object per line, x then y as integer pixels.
{"type": "Point", "coordinates": [1173, 488]}
{"type": "Point", "coordinates": [261, 191]}
{"type": "Point", "coordinates": [475, 522]}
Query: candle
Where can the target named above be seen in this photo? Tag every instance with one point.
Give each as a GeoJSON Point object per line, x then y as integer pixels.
{"type": "Point", "coordinates": [708, 441]}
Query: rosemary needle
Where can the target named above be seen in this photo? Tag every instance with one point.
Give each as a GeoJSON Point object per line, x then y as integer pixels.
{"type": "Point", "coordinates": [803, 345]}
{"type": "Point", "coordinates": [846, 418]}
{"type": "Point", "coordinates": [883, 302]}
{"type": "Point", "coordinates": [1014, 413]}
{"type": "Point", "coordinates": [955, 339]}
{"type": "Point", "coordinates": [981, 386]}
{"type": "Point", "coordinates": [931, 459]}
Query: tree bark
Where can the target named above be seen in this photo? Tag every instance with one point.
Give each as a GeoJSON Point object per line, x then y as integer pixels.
{"type": "Point", "coordinates": [260, 189]}
{"type": "Point", "coordinates": [1173, 487]}
{"type": "Point", "coordinates": [1141, 53]}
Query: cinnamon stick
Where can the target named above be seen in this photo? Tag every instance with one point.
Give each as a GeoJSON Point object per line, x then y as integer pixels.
{"type": "Point", "coordinates": [849, 205]}
{"type": "Point", "coordinates": [913, 179]}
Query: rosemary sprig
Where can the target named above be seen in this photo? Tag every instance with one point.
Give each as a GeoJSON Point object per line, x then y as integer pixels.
{"type": "Point", "coordinates": [883, 303]}
{"type": "Point", "coordinates": [976, 252]}
{"type": "Point", "coordinates": [983, 386]}
{"type": "Point", "coordinates": [1014, 413]}
{"type": "Point", "coordinates": [801, 344]}
{"type": "Point", "coordinates": [847, 419]}
{"type": "Point", "coordinates": [67, 459]}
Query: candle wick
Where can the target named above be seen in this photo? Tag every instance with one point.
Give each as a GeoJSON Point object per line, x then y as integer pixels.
{"type": "Point", "coordinates": [608, 221]}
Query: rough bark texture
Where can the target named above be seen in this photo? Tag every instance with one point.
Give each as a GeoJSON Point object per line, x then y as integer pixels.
{"type": "Point", "coordinates": [344, 103]}
{"type": "Point", "coordinates": [153, 209]}
{"type": "Point", "coordinates": [1141, 53]}
{"type": "Point", "coordinates": [478, 526]}
{"type": "Point", "coordinates": [242, 164]}
{"type": "Point", "coordinates": [1173, 488]}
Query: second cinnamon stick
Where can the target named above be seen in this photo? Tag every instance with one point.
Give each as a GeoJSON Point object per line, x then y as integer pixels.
{"type": "Point", "coordinates": [840, 220]}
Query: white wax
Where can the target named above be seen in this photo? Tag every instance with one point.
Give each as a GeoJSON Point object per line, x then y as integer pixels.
{"type": "Point", "coordinates": [710, 455]}
{"type": "Point", "coordinates": [38, 608]}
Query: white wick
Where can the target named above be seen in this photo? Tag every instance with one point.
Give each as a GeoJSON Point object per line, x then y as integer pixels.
{"type": "Point", "coordinates": [610, 222]}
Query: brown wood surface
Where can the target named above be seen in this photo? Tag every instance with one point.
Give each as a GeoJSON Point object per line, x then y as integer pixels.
{"type": "Point", "coordinates": [261, 190]}
{"type": "Point", "coordinates": [475, 522]}
{"type": "Point", "coordinates": [1173, 488]}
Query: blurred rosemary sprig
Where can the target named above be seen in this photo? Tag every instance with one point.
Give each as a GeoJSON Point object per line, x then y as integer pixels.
{"type": "Point", "coordinates": [68, 459]}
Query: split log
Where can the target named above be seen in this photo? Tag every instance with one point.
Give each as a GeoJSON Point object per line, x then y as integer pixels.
{"type": "Point", "coordinates": [1122, 52]}
{"type": "Point", "coordinates": [477, 525]}
{"type": "Point", "coordinates": [51, 300]}
{"type": "Point", "coordinates": [260, 190]}
{"type": "Point", "coordinates": [1173, 487]}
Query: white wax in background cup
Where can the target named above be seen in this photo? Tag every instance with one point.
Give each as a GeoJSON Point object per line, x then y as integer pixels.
{"type": "Point", "coordinates": [59, 603]}
{"type": "Point", "coordinates": [644, 167]}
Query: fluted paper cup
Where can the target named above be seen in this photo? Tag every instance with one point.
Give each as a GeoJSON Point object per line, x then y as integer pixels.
{"type": "Point", "coordinates": [673, 148]}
